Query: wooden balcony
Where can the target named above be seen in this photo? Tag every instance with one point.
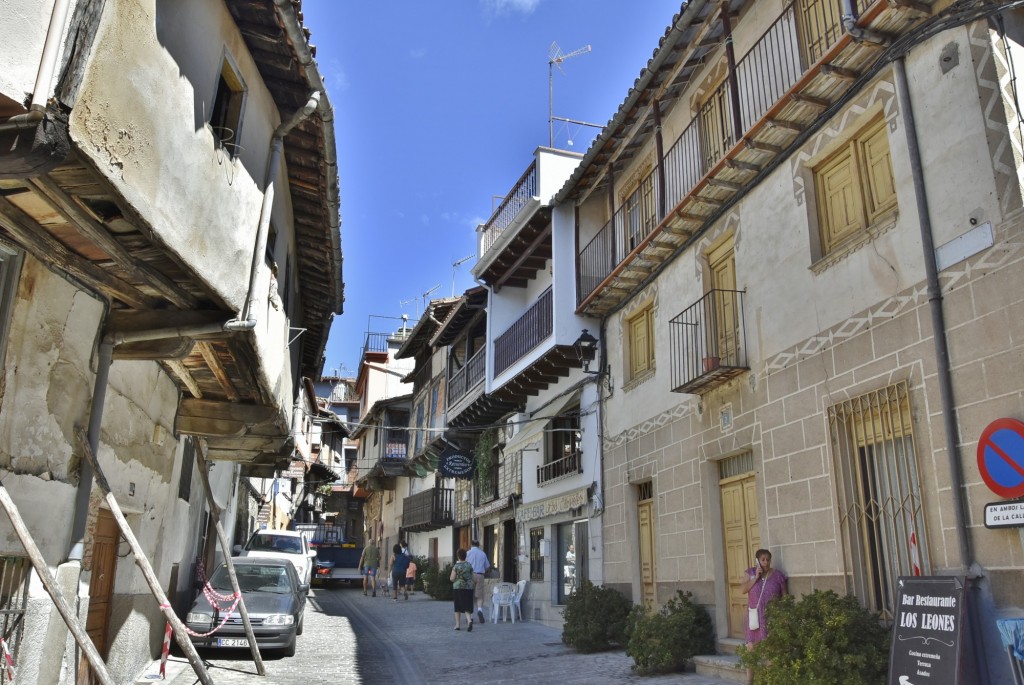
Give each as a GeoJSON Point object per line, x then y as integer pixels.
{"type": "Point", "coordinates": [533, 327]}
{"type": "Point", "coordinates": [707, 342]}
{"type": "Point", "coordinates": [428, 510]}
{"type": "Point", "coordinates": [569, 465]}
{"type": "Point", "coordinates": [787, 85]}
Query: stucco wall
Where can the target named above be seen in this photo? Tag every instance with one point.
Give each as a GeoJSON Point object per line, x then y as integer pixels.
{"type": "Point", "coordinates": [25, 23]}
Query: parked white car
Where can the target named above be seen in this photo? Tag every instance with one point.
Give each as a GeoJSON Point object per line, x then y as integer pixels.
{"type": "Point", "coordinates": [281, 544]}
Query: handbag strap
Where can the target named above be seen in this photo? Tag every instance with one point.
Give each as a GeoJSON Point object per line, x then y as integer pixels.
{"type": "Point", "coordinates": [764, 582]}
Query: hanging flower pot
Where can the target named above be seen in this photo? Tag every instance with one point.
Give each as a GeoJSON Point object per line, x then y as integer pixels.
{"type": "Point", "coordinates": [711, 363]}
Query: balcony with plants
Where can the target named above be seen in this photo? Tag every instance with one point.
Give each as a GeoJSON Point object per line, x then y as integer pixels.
{"type": "Point", "coordinates": [744, 90]}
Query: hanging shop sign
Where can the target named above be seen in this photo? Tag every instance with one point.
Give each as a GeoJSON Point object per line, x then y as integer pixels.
{"type": "Point", "coordinates": [553, 506]}
{"type": "Point", "coordinates": [455, 464]}
{"type": "Point", "coordinates": [491, 507]}
{"type": "Point", "coordinates": [926, 635]}
{"type": "Point", "coordinates": [1001, 457]}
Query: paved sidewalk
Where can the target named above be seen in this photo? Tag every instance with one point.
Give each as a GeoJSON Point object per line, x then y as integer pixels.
{"type": "Point", "coordinates": [350, 638]}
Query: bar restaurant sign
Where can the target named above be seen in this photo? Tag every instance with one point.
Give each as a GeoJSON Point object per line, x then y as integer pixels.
{"type": "Point", "coordinates": [552, 506]}
{"type": "Point", "coordinates": [926, 637]}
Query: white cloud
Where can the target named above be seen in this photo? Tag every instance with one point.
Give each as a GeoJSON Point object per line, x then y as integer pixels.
{"type": "Point", "coordinates": [510, 6]}
{"type": "Point", "coordinates": [334, 75]}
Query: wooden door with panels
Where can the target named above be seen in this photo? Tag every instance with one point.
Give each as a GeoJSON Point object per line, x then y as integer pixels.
{"type": "Point", "coordinates": [742, 534]}
{"type": "Point", "coordinates": [101, 589]}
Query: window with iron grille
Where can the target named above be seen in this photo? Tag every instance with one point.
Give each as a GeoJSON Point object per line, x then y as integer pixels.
{"type": "Point", "coordinates": [881, 518]}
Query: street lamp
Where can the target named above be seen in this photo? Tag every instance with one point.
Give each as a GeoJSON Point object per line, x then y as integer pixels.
{"type": "Point", "coordinates": [586, 347]}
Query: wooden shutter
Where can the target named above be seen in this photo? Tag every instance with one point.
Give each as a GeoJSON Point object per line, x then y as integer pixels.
{"type": "Point", "coordinates": [879, 187]}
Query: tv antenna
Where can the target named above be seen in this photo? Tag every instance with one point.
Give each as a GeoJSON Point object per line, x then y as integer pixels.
{"type": "Point", "coordinates": [427, 294]}
{"type": "Point", "coordinates": [555, 58]}
{"type": "Point", "coordinates": [455, 265]}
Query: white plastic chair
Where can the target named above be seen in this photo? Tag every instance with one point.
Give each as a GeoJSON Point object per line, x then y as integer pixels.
{"type": "Point", "coordinates": [520, 591]}
{"type": "Point", "coordinates": [502, 600]}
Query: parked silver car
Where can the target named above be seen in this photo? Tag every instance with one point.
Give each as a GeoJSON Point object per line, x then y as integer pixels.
{"type": "Point", "coordinates": [273, 596]}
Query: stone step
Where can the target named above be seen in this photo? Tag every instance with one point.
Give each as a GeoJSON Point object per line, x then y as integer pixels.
{"type": "Point", "coordinates": [723, 666]}
{"type": "Point", "coordinates": [728, 645]}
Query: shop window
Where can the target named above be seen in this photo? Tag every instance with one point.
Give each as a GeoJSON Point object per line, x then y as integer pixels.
{"type": "Point", "coordinates": [572, 557]}
{"type": "Point", "coordinates": [536, 560]}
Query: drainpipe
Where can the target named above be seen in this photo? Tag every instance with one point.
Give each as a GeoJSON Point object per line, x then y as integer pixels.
{"type": "Point", "coordinates": [47, 65]}
{"type": "Point", "coordinates": [246, 321]}
{"type": "Point", "coordinates": [945, 379]}
{"type": "Point", "coordinates": [99, 394]}
{"type": "Point", "coordinates": [860, 35]}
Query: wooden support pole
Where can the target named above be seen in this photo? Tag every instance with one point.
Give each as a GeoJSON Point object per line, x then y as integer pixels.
{"type": "Point", "coordinates": [50, 584]}
{"type": "Point", "coordinates": [142, 561]}
{"type": "Point", "coordinates": [215, 513]}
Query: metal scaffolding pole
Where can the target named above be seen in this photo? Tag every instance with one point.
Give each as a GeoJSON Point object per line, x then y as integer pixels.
{"type": "Point", "coordinates": [215, 512]}
{"type": "Point", "coordinates": [142, 561]}
{"type": "Point", "coordinates": [50, 583]}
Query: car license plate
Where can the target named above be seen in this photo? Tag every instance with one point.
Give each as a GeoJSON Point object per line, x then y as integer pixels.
{"type": "Point", "coordinates": [232, 642]}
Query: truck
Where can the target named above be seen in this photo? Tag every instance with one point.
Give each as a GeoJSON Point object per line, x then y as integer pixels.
{"type": "Point", "coordinates": [337, 558]}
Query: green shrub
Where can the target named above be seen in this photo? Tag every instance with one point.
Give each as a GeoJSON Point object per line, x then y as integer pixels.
{"type": "Point", "coordinates": [595, 618]}
{"type": "Point", "coordinates": [664, 641]}
{"type": "Point", "coordinates": [436, 581]}
{"type": "Point", "coordinates": [422, 563]}
{"type": "Point", "coordinates": [823, 639]}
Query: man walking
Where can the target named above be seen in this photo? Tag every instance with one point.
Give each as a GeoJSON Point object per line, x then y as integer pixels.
{"type": "Point", "coordinates": [480, 563]}
{"type": "Point", "coordinates": [369, 560]}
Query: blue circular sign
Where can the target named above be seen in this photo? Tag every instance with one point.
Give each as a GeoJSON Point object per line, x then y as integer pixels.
{"type": "Point", "coordinates": [1001, 457]}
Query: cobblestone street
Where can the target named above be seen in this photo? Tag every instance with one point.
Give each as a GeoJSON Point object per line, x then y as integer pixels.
{"type": "Point", "coordinates": [350, 638]}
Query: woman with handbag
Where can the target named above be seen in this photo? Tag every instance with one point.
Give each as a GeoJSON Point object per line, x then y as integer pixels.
{"type": "Point", "coordinates": [764, 584]}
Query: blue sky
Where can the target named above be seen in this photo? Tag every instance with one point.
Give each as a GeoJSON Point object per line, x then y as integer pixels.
{"type": "Point", "coordinates": [439, 106]}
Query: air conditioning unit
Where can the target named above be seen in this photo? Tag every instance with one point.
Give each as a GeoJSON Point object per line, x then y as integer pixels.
{"type": "Point", "coordinates": [513, 425]}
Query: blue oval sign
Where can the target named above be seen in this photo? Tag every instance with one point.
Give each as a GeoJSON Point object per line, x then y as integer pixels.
{"type": "Point", "coordinates": [455, 464]}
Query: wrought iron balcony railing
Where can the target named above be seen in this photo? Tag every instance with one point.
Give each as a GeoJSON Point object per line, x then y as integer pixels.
{"type": "Point", "coordinates": [569, 465]}
{"type": "Point", "coordinates": [505, 214]}
{"type": "Point", "coordinates": [525, 334]}
{"type": "Point", "coordinates": [707, 342]}
{"type": "Point", "coordinates": [804, 32]}
{"type": "Point", "coordinates": [428, 510]}
{"type": "Point", "coordinates": [466, 378]}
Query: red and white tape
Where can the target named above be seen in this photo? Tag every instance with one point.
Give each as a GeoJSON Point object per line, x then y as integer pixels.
{"type": "Point", "coordinates": [165, 652]}
{"type": "Point", "coordinates": [8, 660]}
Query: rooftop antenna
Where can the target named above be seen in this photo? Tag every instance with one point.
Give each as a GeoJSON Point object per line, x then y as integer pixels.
{"type": "Point", "coordinates": [427, 294]}
{"type": "Point", "coordinates": [455, 265]}
{"type": "Point", "coordinates": [556, 57]}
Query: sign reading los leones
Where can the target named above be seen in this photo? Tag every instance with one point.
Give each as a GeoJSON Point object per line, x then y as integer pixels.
{"type": "Point", "coordinates": [455, 464]}
{"type": "Point", "coordinates": [926, 635]}
{"type": "Point", "coordinates": [1001, 457]}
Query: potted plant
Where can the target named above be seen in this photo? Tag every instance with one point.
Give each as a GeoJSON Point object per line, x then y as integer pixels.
{"type": "Point", "coordinates": [711, 363]}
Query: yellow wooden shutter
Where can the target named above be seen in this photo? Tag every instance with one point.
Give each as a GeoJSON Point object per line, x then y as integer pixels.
{"type": "Point", "coordinates": [639, 341]}
{"type": "Point", "coordinates": [879, 188]}
{"type": "Point", "coordinates": [839, 200]}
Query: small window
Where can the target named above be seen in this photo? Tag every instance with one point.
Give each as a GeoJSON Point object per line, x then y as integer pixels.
{"type": "Point", "coordinates": [228, 102]}
{"type": "Point", "coordinates": [188, 461]}
{"type": "Point", "coordinates": [640, 343]}
{"type": "Point", "coordinates": [854, 186]}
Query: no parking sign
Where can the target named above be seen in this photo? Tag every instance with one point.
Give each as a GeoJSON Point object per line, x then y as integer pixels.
{"type": "Point", "coordinates": [1001, 457]}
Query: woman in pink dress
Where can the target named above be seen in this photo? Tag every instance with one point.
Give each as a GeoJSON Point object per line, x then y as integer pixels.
{"type": "Point", "coordinates": [764, 584]}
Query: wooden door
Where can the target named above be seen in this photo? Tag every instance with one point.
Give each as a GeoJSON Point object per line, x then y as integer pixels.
{"type": "Point", "coordinates": [742, 538]}
{"type": "Point", "coordinates": [722, 264]}
{"type": "Point", "coordinates": [101, 588]}
{"type": "Point", "coordinates": [645, 511]}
